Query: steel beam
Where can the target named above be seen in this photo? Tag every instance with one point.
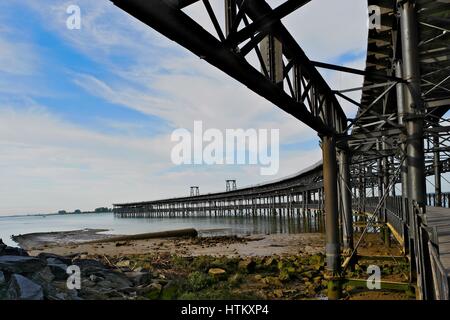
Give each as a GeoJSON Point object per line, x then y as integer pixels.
{"type": "Point", "coordinates": [174, 24]}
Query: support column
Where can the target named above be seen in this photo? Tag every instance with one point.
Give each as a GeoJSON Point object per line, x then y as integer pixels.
{"type": "Point", "coordinates": [332, 215]}
{"type": "Point", "coordinates": [414, 110]}
{"type": "Point", "coordinates": [346, 197]}
{"type": "Point", "coordinates": [413, 104]}
{"type": "Point", "coordinates": [437, 172]}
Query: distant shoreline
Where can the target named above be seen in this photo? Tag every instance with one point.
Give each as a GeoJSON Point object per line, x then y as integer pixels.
{"type": "Point", "coordinates": [50, 214]}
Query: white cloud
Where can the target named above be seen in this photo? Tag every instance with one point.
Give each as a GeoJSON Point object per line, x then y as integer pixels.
{"type": "Point", "coordinates": [54, 164]}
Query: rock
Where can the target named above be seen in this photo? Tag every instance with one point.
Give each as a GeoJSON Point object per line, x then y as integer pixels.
{"type": "Point", "coordinates": [105, 284]}
{"type": "Point", "coordinates": [85, 283]}
{"type": "Point", "coordinates": [54, 259]}
{"type": "Point", "coordinates": [217, 272]}
{"type": "Point", "coordinates": [11, 251]}
{"type": "Point", "coordinates": [118, 280]}
{"type": "Point", "coordinates": [123, 263]}
{"type": "Point", "coordinates": [139, 278]}
{"type": "Point", "coordinates": [247, 266]}
{"type": "Point", "coordinates": [59, 271]}
{"type": "Point", "coordinates": [89, 266]}
{"type": "Point", "coordinates": [43, 276]}
{"type": "Point", "coordinates": [95, 278]}
{"type": "Point", "coordinates": [21, 288]}
{"type": "Point", "coordinates": [21, 264]}
{"type": "Point", "coordinates": [270, 262]}
{"type": "Point", "coordinates": [152, 291]}
{"type": "Point", "coordinates": [170, 291]}
{"type": "Point", "coordinates": [2, 278]}
{"type": "Point", "coordinates": [278, 293]}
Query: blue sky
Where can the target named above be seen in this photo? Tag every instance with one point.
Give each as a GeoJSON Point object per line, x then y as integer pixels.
{"type": "Point", "coordinates": [86, 115]}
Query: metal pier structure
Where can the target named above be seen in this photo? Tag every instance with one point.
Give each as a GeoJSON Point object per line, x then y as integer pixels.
{"type": "Point", "coordinates": [377, 163]}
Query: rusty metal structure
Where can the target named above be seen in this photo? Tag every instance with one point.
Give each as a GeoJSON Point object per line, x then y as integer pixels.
{"type": "Point", "coordinates": [375, 164]}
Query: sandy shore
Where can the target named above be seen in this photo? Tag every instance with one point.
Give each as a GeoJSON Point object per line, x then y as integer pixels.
{"type": "Point", "coordinates": [71, 242]}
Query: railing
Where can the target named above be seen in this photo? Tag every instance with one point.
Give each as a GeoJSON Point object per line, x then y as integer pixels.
{"type": "Point", "coordinates": [432, 200]}
{"type": "Point", "coordinates": [432, 277]}
{"type": "Point", "coordinates": [440, 279]}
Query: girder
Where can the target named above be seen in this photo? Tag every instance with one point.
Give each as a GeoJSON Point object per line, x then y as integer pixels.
{"type": "Point", "coordinates": [310, 101]}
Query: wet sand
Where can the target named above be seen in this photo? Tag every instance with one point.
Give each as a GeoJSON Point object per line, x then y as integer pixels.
{"type": "Point", "coordinates": [71, 242]}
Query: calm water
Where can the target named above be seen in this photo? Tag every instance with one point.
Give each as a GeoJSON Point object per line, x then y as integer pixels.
{"type": "Point", "coordinates": [205, 225]}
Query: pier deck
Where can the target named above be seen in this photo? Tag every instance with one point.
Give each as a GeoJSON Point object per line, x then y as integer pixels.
{"type": "Point", "coordinates": [440, 218]}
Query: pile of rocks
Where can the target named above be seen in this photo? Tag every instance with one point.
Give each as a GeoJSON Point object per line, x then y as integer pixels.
{"type": "Point", "coordinates": [23, 277]}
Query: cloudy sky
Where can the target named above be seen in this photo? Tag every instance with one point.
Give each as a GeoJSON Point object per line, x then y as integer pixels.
{"type": "Point", "coordinates": [86, 115]}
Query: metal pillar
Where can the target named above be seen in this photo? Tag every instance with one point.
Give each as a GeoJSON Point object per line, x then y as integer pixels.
{"type": "Point", "coordinates": [437, 172]}
{"type": "Point", "coordinates": [331, 215]}
{"type": "Point", "coordinates": [414, 110]}
{"type": "Point", "coordinates": [344, 172]}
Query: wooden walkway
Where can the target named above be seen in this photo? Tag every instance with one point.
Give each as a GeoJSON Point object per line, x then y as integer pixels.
{"type": "Point", "coordinates": [440, 218]}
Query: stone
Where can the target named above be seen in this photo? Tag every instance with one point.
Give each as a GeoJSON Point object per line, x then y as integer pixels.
{"type": "Point", "coordinates": [43, 276]}
{"type": "Point", "coordinates": [217, 272]}
{"type": "Point", "coordinates": [139, 278]}
{"type": "Point", "coordinates": [152, 291]}
{"type": "Point", "coordinates": [11, 251]}
{"type": "Point", "coordinates": [21, 288]}
{"type": "Point", "coordinates": [95, 278]}
{"type": "Point", "coordinates": [2, 245]}
{"type": "Point", "coordinates": [105, 284]}
{"type": "Point", "coordinates": [2, 278]}
{"type": "Point", "coordinates": [59, 271]}
{"type": "Point", "coordinates": [123, 263]}
{"type": "Point", "coordinates": [118, 280]}
{"type": "Point", "coordinates": [170, 291]}
{"type": "Point", "coordinates": [21, 264]}
{"type": "Point", "coordinates": [247, 266]}
{"type": "Point", "coordinates": [52, 258]}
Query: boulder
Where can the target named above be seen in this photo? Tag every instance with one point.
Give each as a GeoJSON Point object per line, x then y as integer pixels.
{"type": "Point", "coordinates": [11, 251]}
{"type": "Point", "coordinates": [21, 264]}
{"type": "Point", "coordinates": [152, 291]}
{"type": "Point", "coordinates": [59, 271]}
{"type": "Point", "coordinates": [170, 291]}
{"type": "Point", "coordinates": [52, 258]}
{"type": "Point", "coordinates": [21, 288]}
{"type": "Point", "coordinates": [43, 276]}
{"type": "Point", "coordinates": [217, 272]}
{"type": "Point", "coordinates": [139, 278]}
{"type": "Point", "coordinates": [2, 246]}
{"type": "Point", "coordinates": [118, 280]}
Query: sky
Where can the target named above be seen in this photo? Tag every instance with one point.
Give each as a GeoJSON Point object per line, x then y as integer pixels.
{"type": "Point", "coordinates": [86, 115]}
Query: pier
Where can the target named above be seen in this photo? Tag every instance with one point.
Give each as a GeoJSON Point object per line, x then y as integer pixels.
{"type": "Point", "coordinates": [375, 166]}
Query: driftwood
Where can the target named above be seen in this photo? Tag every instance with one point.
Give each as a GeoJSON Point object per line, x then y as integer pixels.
{"type": "Point", "coordinates": [153, 235]}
